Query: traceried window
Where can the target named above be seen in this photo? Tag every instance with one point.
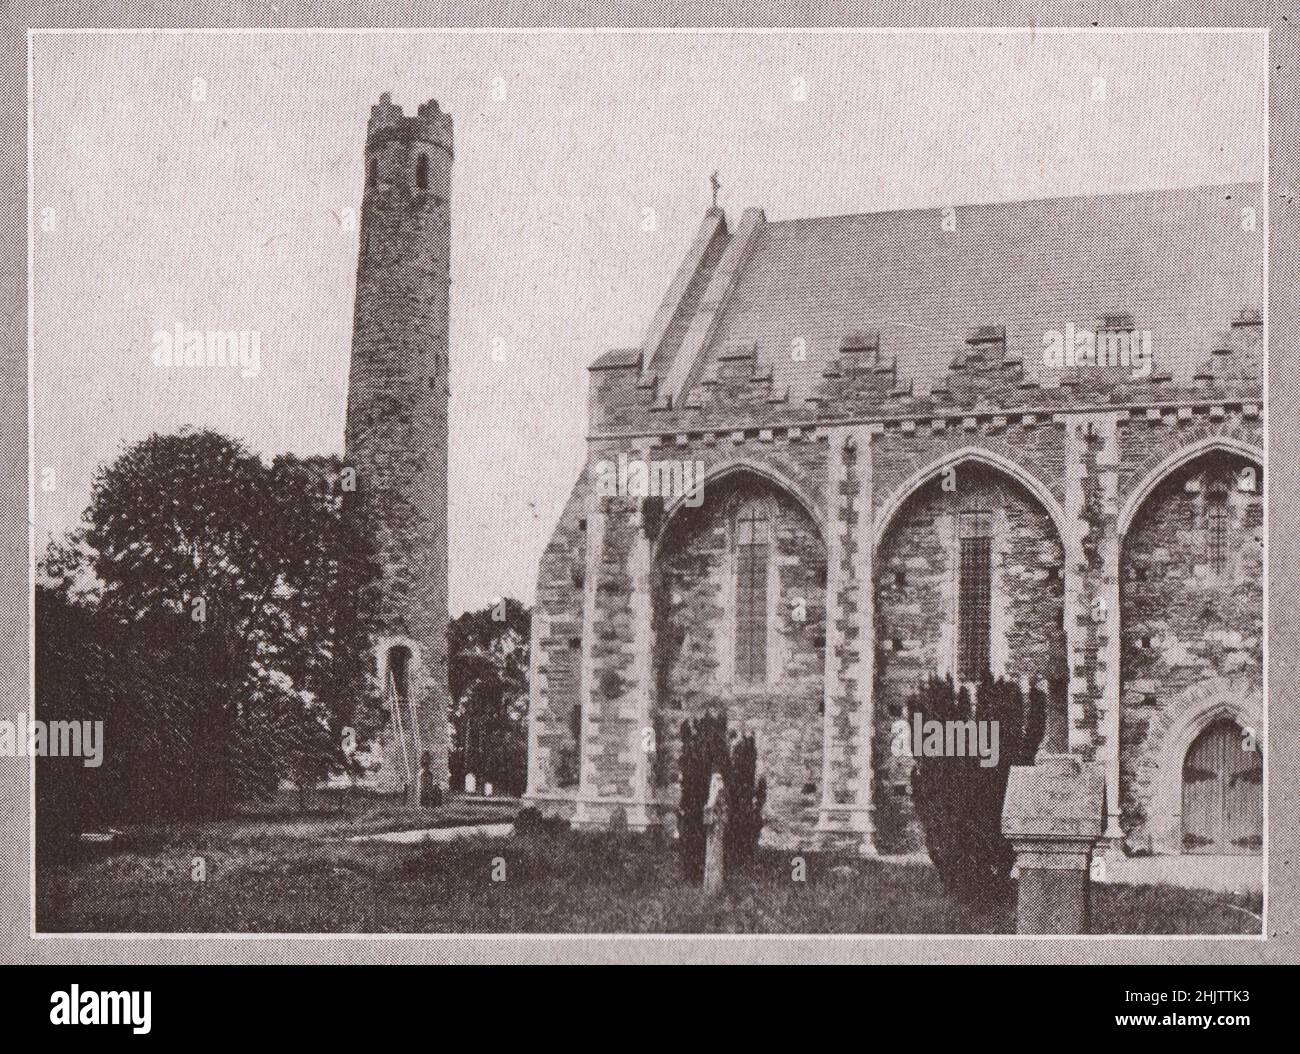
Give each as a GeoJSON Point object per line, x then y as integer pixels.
{"type": "Point", "coordinates": [1217, 515]}
{"type": "Point", "coordinates": [975, 540]}
{"type": "Point", "coordinates": [753, 534]}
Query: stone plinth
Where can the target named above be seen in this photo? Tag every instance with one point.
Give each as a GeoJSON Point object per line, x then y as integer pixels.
{"type": "Point", "coordinates": [1054, 815]}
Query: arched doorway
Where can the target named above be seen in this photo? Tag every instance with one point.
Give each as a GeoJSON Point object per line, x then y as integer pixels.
{"type": "Point", "coordinates": [1223, 792]}
{"type": "Point", "coordinates": [402, 736]}
{"type": "Point", "coordinates": [1191, 644]}
{"type": "Point", "coordinates": [398, 686]}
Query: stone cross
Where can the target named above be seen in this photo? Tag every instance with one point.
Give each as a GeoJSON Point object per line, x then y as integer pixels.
{"type": "Point", "coordinates": [715, 834]}
{"type": "Point", "coordinates": [715, 183]}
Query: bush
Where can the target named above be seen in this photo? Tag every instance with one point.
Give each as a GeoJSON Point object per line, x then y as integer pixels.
{"type": "Point", "coordinates": [957, 799]}
{"type": "Point", "coordinates": [706, 749]}
{"type": "Point", "coordinates": [528, 820]}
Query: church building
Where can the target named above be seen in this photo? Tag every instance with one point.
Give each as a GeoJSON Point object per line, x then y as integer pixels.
{"type": "Point", "coordinates": [852, 452]}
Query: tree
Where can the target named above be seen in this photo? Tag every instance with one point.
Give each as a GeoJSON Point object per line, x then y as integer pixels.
{"type": "Point", "coordinates": [147, 687]}
{"type": "Point", "coordinates": [707, 748]}
{"type": "Point", "coordinates": [488, 673]}
{"type": "Point", "coordinates": [958, 798]}
{"type": "Point", "coordinates": [271, 579]}
{"type": "Point", "coordinates": [328, 599]}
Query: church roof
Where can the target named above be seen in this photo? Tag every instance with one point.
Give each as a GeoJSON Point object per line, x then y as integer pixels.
{"type": "Point", "coordinates": [920, 287]}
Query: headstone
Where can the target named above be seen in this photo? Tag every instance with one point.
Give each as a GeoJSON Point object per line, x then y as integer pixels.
{"type": "Point", "coordinates": [1054, 815]}
{"type": "Point", "coordinates": [430, 792]}
{"type": "Point", "coordinates": [469, 783]}
{"type": "Point", "coordinates": [715, 835]}
{"type": "Point", "coordinates": [487, 790]}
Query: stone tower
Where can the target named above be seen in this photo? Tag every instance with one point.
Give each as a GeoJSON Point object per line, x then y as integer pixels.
{"type": "Point", "coordinates": [397, 422]}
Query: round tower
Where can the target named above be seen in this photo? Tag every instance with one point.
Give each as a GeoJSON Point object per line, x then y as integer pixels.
{"type": "Point", "coordinates": [397, 424]}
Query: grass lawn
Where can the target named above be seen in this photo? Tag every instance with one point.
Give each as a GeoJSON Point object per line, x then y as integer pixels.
{"type": "Point", "coordinates": [286, 873]}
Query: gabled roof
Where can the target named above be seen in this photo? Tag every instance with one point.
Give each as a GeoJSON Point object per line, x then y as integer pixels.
{"type": "Point", "coordinates": [1181, 263]}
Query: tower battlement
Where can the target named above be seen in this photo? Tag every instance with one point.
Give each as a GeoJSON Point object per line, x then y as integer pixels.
{"type": "Point", "coordinates": [389, 122]}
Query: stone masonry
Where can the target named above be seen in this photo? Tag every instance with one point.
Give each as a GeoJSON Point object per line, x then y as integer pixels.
{"type": "Point", "coordinates": [397, 421]}
{"type": "Point", "coordinates": [777, 363]}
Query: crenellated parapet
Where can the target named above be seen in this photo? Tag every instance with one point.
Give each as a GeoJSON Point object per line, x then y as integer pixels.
{"type": "Point", "coordinates": [390, 123]}
{"type": "Point", "coordinates": [984, 388]}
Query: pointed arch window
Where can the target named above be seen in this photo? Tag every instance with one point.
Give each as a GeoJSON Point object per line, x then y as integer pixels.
{"type": "Point", "coordinates": [1217, 515]}
{"type": "Point", "coordinates": [974, 597]}
{"type": "Point", "coordinates": [752, 529]}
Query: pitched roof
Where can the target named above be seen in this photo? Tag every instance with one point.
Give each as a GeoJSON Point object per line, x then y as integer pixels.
{"type": "Point", "coordinates": [1182, 263]}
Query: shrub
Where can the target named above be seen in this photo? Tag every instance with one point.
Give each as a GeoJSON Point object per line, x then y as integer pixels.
{"type": "Point", "coordinates": [529, 820]}
{"type": "Point", "coordinates": [706, 749]}
{"type": "Point", "coordinates": [957, 799]}
{"type": "Point", "coordinates": [747, 794]}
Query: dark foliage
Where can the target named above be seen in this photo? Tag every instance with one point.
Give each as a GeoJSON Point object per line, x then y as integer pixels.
{"type": "Point", "coordinates": [706, 749]}
{"type": "Point", "coordinates": [488, 670]}
{"type": "Point", "coordinates": [528, 820]}
{"type": "Point", "coordinates": [214, 612]}
{"type": "Point", "coordinates": [957, 799]}
{"type": "Point", "coordinates": [147, 686]}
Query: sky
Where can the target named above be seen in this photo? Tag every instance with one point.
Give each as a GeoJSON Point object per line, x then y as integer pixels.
{"type": "Point", "coordinates": [204, 179]}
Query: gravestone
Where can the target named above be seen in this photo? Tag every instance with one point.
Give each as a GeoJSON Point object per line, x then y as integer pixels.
{"type": "Point", "coordinates": [430, 792]}
{"type": "Point", "coordinates": [715, 834]}
{"type": "Point", "coordinates": [1054, 815]}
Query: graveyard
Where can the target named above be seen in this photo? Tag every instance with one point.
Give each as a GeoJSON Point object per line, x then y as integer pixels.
{"type": "Point", "coordinates": [279, 870]}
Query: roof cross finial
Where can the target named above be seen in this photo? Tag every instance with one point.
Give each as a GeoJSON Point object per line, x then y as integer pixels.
{"type": "Point", "coordinates": [715, 184]}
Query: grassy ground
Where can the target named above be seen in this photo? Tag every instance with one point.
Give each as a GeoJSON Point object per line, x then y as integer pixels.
{"type": "Point", "coordinates": [341, 814]}
{"type": "Point", "coordinates": [294, 874]}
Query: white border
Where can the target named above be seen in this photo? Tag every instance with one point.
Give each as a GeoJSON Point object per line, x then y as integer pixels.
{"type": "Point", "coordinates": [199, 935]}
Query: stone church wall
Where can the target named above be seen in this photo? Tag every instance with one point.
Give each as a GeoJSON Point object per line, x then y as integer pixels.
{"type": "Point", "coordinates": [632, 609]}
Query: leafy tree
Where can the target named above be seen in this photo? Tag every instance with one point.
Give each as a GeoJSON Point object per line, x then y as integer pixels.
{"type": "Point", "coordinates": [326, 605]}
{"type": "Point", "coordinates": [488, 674]}
{"type": "Point", "coordinates": [270, 578]}
{"type": "Point", "coordinates": [147, 689]}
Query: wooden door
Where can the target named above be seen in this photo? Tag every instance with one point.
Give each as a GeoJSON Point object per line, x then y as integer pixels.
{"type": "Point", "coordinates": [1243, 796]}
{"type": "Point", "coordinates": [1222, 793]}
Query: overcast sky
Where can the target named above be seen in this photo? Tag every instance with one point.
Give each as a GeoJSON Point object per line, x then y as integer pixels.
{"type": "Point", "coordinates": [224, 213]}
